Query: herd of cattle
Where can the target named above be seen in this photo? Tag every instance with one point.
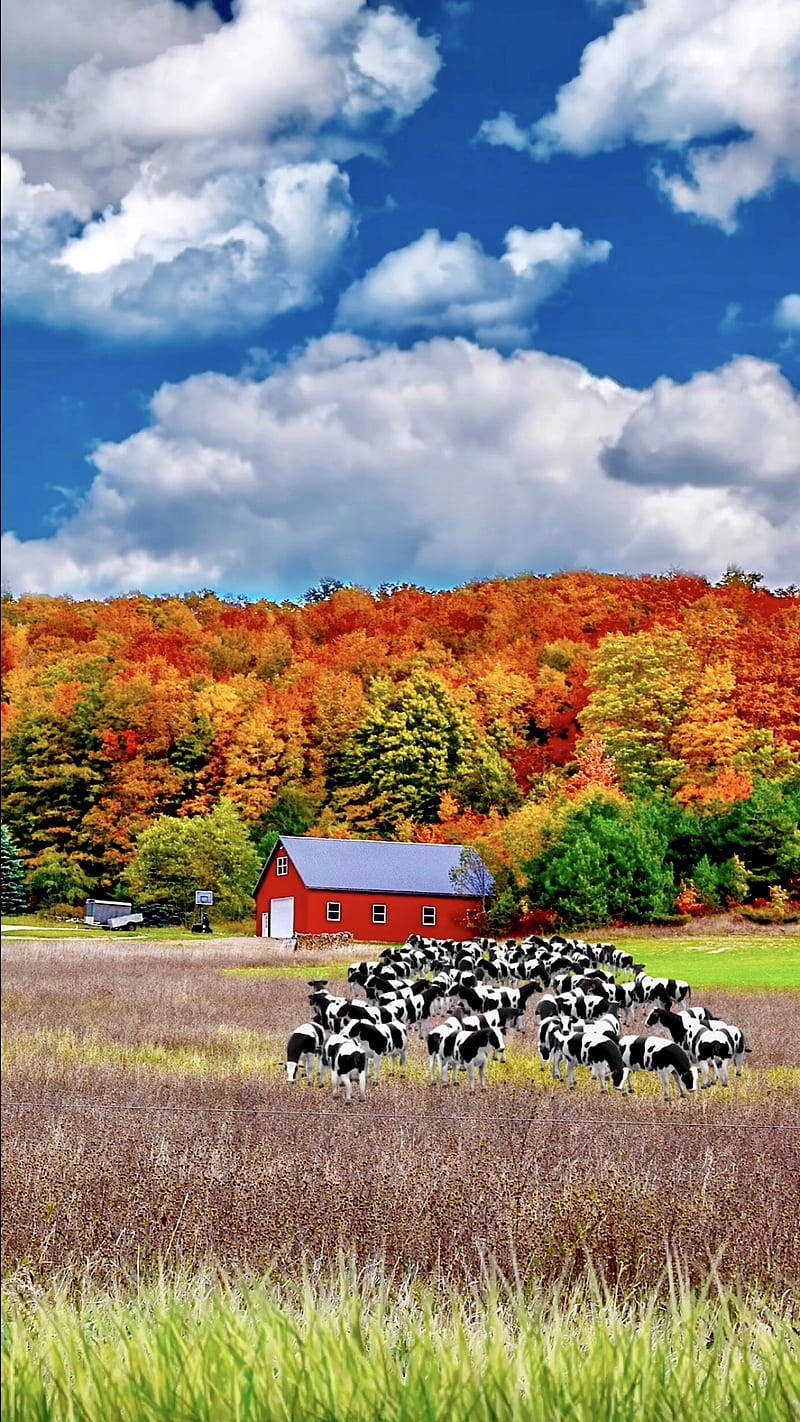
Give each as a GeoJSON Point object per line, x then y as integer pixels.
{"type": "Point", "coordinates": [481, 989]}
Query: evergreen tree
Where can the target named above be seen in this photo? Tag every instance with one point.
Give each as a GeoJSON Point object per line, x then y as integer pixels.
{"type": "Point", "coordinates": [410, 747]}
{"type": "Point", "coordinates": [605, 862]}
{"type": "Point", "coordinates": [11, 877]}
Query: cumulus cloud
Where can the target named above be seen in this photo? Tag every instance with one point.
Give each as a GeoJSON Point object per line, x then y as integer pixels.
{"type": "Point", "coordinates": [157, 154]}
{"type": "Point", "coordinates": [715, 82]}
{"type": "Point", "coordinates": [443, 462]}
{"type": "Point", "coordinates": [735, 427]}
{"type": "Point", "coordinates": [787, 313]}
{"type": "Point", "coordinates": [454, 287]}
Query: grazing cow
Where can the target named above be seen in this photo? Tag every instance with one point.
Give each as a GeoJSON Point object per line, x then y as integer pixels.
{"type": "Point", "coordinates": [684, 1027]}
{"type": "Point", "coordinates": [547, 1007]}
{"type": "Point", "coordinates": [380, 1040]}
{"type": "Point", "coordinates": [663, 990]}
{"type": "Point", "coordinates": [600, 1053]}
{"type": "Point", "coordinates": [435, 1038]}
{"type": "Point", "coordinates": [711, 1049]}
{"type": "Point", "coordinates": [498, 1017]}
{"type": "Point", "coordinates": [625, 1000]}
{"type": "Point", "coordinates": [469, 1050]}
{"type": "Point", "coordinates": [551, 1030]}
{"type": "Point", "coordinates": [667, 1059]}
{"type": "Point", "coordinates": [346, 1062]}
{"type": "Point", "coordinates": [303, 1049]}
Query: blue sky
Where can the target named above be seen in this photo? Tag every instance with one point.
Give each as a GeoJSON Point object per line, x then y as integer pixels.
{"type": "Point", "coordinates": [314, 288]}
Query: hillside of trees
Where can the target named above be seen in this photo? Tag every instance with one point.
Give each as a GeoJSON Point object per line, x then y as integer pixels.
{"type": "Point", "coordinates": [561, 724]}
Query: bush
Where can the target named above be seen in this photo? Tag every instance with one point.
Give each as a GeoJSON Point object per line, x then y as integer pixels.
{"type": "Point", "coordinates": [174, 857]}
{"type": "Point", "coordinates": [57, 879]}
{"type": "Point", "coordinates": [606, 862]}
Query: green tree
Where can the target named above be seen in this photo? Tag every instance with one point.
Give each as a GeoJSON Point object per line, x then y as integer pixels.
{"type": "Point", "coordinates": [57, 879]}
{"type": "Point", "coordinates": [487, 781]}
{"type": "Point", "coordinates": [293, 811]}
{"type": "Point", "coordinates": [12, 878]}
{"type": "Point", "coordinates": [706, 880]}
{"type": "Point", "coordinates": [174, 857]}
{"type": "Point", "coordinates": [638, 697]}
{"type": "Point", "coordinates": [763, 831]}
{"type": "Point", "coordinates": [409, 749]}
{"type": "Point", "coordinates": [604, 862]}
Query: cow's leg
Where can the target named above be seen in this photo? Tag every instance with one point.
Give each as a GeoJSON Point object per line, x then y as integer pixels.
{"type": "Point", "coordinates": [471, 1076]}
{"type": "Point", "coordinates": [348, 1089]}
{"type": "Point", "coordinates": [571, 1076]}
{"type": "Point", "coordinates": [335, 1082]}
{"type": "Point", "coordinates": [362, 1085]}
{"type": "Point", "coordinates": [662, 1076]}
{"type": "Point", "coordinates": [722, 1068]}
{"type": "Point", "coordinates": [482, 1074]}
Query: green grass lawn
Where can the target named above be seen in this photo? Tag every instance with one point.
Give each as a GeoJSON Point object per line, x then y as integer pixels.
{"type": "Point", "coordinates": [755, 961]}
{"type": "Point", "coordinates": [752, 961]}
{"type": "Point", "coordinates": [42, 925]}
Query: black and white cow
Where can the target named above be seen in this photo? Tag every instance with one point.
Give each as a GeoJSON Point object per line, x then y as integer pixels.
{"type": "Point", "coordinates": [345, 1061]}
{"type": "Point", "coordinates": [667, 1059]}
{"type": "Point", "coordinates": [470, 1051]}
{"type": "Point", "coordinates": [303, 1050]}
{"type": "Point", "coordinates": [434, 1040]}
{"type": "Point", "coordinates": [711, 1048]}
{"type": "Point", "coordinates": [595, 1050]}
{"type": "Point", "coordinates": [380, 1040]}
{"type": "Point", "coordinates": [551, 1029]}
{"type": "Point", "coordinates": [684, 1028]}
{"type": "Point", "coordinates": [662, 990]}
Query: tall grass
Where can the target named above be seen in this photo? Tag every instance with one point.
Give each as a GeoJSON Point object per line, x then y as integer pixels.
{"type": "Point", "coordinates": [368, 1349]}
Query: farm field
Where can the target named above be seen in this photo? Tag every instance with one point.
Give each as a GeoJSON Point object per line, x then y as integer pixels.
{"type": "Point", "coordinates": [153, 1150]}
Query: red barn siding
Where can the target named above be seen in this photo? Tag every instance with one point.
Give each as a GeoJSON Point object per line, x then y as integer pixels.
{"type": "Point", "coordinates": [403, 911]}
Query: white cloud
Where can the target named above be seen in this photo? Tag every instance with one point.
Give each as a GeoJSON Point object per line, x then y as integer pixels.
{"type": "Point", "coordinates": [787, 313]}
{"type": "Point", "coordinates": [439, 463]}
{"type": "Point", "coordinates": [715, 81]}
{"type": "Point", "coordinates": [189, 155]}
{"type": "Point", "coordinates": [505, 132]}
{"type": "Point", "coordinates": [454, 287]}
{"type": "Point", "coordinates": [737, 427]}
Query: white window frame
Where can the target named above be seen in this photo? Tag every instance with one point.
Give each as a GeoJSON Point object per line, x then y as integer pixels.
{"type": "Point", "coordinates": [428, 922]}
{"type": "Point", "coordinates": [336, 916]}
{"type": "Point", "coordinates": [282, 865]}
{"type": "Point", "coordinates": [381, 910]}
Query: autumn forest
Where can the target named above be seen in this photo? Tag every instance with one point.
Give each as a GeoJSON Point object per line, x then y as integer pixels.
{"type": "Point", "coordinates": [560, 724]}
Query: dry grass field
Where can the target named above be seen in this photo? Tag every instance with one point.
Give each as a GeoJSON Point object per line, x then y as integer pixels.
{"type": "Point", "coordinates": [148, 1128]}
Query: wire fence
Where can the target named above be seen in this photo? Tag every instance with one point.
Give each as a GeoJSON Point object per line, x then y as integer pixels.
{"type": "Point", "coordinates": [63, 1108]}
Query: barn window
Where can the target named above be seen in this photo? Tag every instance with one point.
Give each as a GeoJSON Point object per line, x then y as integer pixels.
{"type": "Point", "coordinates": [428, 916]}
{"type": "Point", "coordinates": [333, 913]}
{"type": "Point", "coordinates": [282, 865]}
{"type": "Point", "coordinates": [378, 913]}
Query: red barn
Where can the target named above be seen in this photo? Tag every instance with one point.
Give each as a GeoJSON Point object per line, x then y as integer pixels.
{"type": "Point", "coordinates": [377, 890]}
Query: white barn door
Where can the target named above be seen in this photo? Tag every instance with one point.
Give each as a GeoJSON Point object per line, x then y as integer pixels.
{"type": "Point", "coordinates": [281, 918]}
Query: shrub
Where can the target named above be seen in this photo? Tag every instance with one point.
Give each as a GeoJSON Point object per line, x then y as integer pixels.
{"type": "Point", "coordinates": [605, 862]}
{"type": "Point", "coordinates": [57, 879]}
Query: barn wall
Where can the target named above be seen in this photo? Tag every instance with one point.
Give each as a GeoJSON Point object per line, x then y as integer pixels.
{"type": "Point", "coordinates": [403, 915]}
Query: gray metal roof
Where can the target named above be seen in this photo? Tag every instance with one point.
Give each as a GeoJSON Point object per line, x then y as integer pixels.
{"type": "Point", "coordinates": [376, 866]}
